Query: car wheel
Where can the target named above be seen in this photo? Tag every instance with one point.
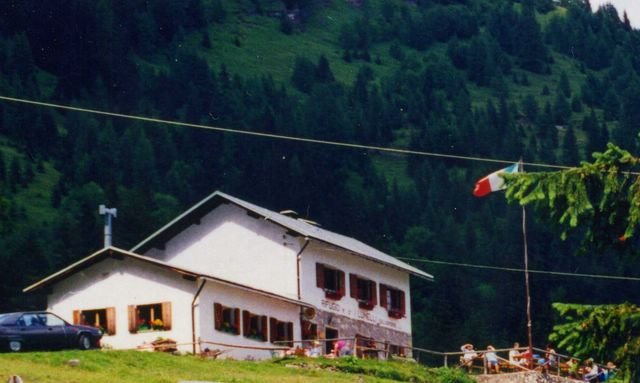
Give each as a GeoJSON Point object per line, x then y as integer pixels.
{"type": "Point", "coordinates": [15, 345]}
{"type": "Point", "coordinates": [84, 342]}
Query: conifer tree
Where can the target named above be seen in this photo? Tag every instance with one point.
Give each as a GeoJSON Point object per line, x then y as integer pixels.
{"type": "Point", "coordinates": [570, 155]}
{"type": "Point", "coordinates": [563, 85]}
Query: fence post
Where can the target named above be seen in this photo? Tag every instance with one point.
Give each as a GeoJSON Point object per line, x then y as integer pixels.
{"type": "Point", "coordinates": [445, 361]}
{"type": "Point", "coordinates": [484, 363]}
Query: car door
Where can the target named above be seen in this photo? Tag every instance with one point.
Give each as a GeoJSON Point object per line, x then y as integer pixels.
{"type": "Point", "coordinates": [56, 331]}
{"type": "Point", "coordinates": [33, 332]}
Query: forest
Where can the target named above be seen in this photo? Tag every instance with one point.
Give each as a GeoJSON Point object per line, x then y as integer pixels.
{"type": "Point", "coordinates": [539, 80]}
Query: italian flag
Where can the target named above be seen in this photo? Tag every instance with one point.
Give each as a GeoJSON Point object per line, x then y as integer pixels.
{"type": "Point", "coordinates": [493, 182]}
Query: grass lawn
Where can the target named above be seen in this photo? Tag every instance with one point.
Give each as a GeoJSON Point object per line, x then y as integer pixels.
{"type": "Point", "coordinates": [135, 366]}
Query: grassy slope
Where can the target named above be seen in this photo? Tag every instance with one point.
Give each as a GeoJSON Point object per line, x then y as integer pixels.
{"type": "Point", "coordinates": [126, 366]}
{"type": "Point", "coordinates": [36, 197]}
{"type": "Point", "coordinates": [264, 50]}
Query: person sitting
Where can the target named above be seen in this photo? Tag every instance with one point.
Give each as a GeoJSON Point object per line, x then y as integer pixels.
{"type": "Point", "coordinates": [518, 358]}
{"type": "Point", "coordinates": [315, 350]}
{"type": "Point", "coordinates": [468, 355]}
{"type": "Point", "coordinates": [550, 358]}
{"type": "Point", "coordinates": [341, 348]}
{"type": "Point", "coordinates": [591, 371]}
{"type": "Point", "coordinates": [607, 372]}
{"type": "Point", "coordinates": [572, 368]}
{"type": "Point", "coordinates": [491, 359]}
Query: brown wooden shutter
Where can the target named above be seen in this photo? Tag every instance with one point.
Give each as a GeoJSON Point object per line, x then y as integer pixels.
{"type": "Point", "coordinates": [246, 322]}
{"type": "Point", "coordinates": [341, 284]}
{"type": "Point", "coordinates": [264, 327]}
{"type": "Point", "coordinates": [383, 295]}
{"type": "Point", "coordinates": [290, 333]}
{"type": "Point", "coordinates": [402, 303]}
{"type": "Point", "coordinates": [373, 298]}
{"type": "Point", "coordinates": [76, 316]}
{"type": "Point", "coordinates": [237, 322]}
{"type": "Point", "coordinates": [320, 275]}
{"type": "Point", "coordinates": [166, 315]}
{"type": "Point", "coordinates": [111, 320]}
{"type": "Point", "coordinates": [273, 329]}
{"type": "Point", "coordinates": [353, 286]}
{"type": "Point", "coordinates": [133, 326]}
{"type": "Point", "coordinates": [217, 315]}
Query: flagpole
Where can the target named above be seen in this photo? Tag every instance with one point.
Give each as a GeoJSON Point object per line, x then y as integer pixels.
{"type": "Point", "coordinates": [526, 279]}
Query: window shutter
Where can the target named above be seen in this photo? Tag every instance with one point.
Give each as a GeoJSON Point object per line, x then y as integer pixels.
{"type": "Point", "coordinates": [320, 275]}
{"type": "Point", "coordinates": [217, 315]}
{"type": "Point", "coordinates": [133, 325]}
{"type": "Point", "coordinates": [166, 315]}
{"type": "Point", "coordinates": [373, 298]}
{"type": "Point", "coordinates": [263, 319]}
{"type": "Point", "coordinates": [237, 321]}
{"type": "Point", "coordinates": [246, 322]}
{"type": "Point", "coordinates": [290, 333]}
{"type": "Point", "coordinates": [76, 316]}
{"type": "Point", "coordinates": [273, 329]}
{"type": "Point", "coordinates": [353, 286]}
{"type": "Point", "coordinates": [402, 303]}
{"type": "Point", "coordinates": [111, 320]}
{"type": "Point", "coordinates": [383, 295]}
{"type": "Point", "coordinates": [341, 284]}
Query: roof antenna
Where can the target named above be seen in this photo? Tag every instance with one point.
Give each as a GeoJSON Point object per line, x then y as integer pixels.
{"type": "Point", "coordinates": [108, 213]}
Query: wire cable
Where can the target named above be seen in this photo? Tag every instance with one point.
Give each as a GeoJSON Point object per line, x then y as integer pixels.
{"type": "Point", "coordinates": [270, 135]}
{"type": "Point", "coordinates": [559, 273]}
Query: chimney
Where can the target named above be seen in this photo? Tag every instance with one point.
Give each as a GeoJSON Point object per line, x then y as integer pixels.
{"type": "Point", "coordinates": [108, 213]}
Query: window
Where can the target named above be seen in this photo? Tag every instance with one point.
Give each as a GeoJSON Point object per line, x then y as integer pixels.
{"type": "Point", "coordinates": [281, 332]}
{"type": "Point", "coordinates": [397, 350]}
{"type": "Point", "coordinates": [331, 280]}
{"type": "Point", "coordinates": [309, 330]}
{"type": "Point", "coordinates": [254, 326]}
{"type": "Point", "coordinates": [366, 347]}
{"type": "Point", "coordinates": [393, 300]}
{"type": "Point", "coordinates": [104, 319]}
{"type": "Point", "coordinates": [363, 290]}
{"type": "Point", "coordinates": [226, 319]}
{"type": "Point", "coordinates": [152, 317]}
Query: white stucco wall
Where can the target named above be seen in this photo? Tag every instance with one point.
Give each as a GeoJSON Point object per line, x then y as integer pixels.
{"type": "Point", "coordinates": [318, 252]}
{"type": "Point", "coordinates": [230, 245]}
{"type": "Point", "coordinates": [119, 283]}
{"type": "Point", "coordinates": [244, 300]}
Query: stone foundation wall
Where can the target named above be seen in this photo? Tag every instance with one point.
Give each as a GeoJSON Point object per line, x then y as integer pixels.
{"type": "Point", "coordinates": [349, 327]}
{"type": "Point", "coordinates": [523, 377]}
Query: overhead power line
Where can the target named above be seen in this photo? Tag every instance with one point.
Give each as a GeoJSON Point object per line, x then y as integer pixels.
{"type": "Point", "coordinates": [270, 135]}
{"type": "Point", "coordinates": [547, 272]}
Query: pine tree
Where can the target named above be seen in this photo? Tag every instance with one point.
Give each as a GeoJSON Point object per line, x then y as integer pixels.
{"type": "Point", "coordinates": [323, 72]}
{"type": "Point", "coordinates": [561, 109]}
{"type": "Point", "coordinates": [570, 154]}
{"type": "Point", "coordinates": [530, 107]}
{"type": "Point", "coordinates": [563, 85]}
{"type": "Point", "coordinates": [531, 51]}
{"type": "Point", "coordinates": [3, 171]}
{"type": "Point", "coordinates": [303, 74]}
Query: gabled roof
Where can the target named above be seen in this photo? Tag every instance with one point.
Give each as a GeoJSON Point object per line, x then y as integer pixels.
{"type": "Point", "coordinates": [113, 252]}
{"type": "Point", "coordinates": [301, 227]}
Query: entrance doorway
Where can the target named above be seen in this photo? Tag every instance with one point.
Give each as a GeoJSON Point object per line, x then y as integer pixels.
{"type": "Point", "coordinates": [330, 333]}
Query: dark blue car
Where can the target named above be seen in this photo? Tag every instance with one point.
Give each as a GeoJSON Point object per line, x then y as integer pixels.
{"type": "Point", "coordinates": [41, 330]}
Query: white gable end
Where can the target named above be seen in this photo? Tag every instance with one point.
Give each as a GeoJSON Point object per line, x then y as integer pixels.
{"type": "Point", "coordinates": [231, 245]}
